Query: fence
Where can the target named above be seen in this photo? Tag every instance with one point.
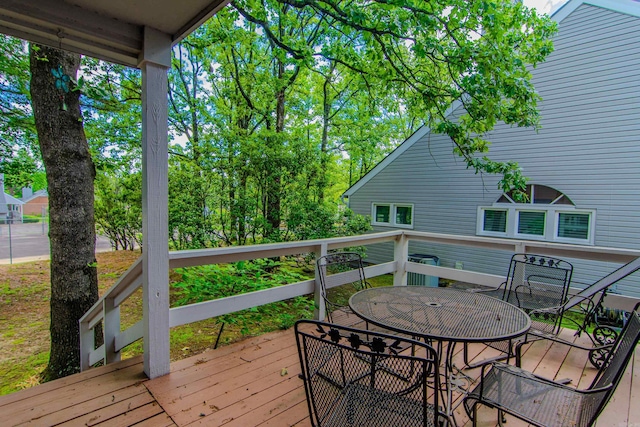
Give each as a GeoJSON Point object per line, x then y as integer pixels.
{"type": "Point", "coordinates": [107, 310]}
{"type": "Point", "coordinates": [20, 240]}
{"type": "Point", "coordinates": [27, 241]}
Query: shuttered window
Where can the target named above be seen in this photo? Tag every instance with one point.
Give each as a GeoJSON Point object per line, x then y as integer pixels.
{"type": "Point", "coordinates": [547, 214]}
{"type": "Point", "coordinates": [495, 220]}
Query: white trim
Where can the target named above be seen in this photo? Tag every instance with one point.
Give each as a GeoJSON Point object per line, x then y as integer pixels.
{"type": "Point", "coordinates": [551, 222]}
{"type": "Point", "coordinates": [10, 200]}
{"type": "Point", "coordinates": [392, 215]}
{"type": "Point", "coordinates": [374, 216]}
{"type": "Point", "coordinates": [621, 6]}
{"type": "Point", "coordinates": [590, 230]}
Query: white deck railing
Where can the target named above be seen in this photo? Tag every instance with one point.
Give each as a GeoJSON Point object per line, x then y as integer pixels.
{"type": "Point", "coordinates": [107, 308]}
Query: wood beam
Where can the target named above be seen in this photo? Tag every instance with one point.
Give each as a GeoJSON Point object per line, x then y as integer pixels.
{"type": "Point", "coordinates": [154, 63]}
{"type": "Point", "coordinates": [60, 24]}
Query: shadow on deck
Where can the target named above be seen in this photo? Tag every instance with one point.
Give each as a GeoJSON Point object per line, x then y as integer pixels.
{"type": "Point", "coordinates": [253, 383]}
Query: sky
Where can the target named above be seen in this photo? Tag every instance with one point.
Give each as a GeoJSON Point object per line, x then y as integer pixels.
{"type": "Point", "coordinates": [544, 6]}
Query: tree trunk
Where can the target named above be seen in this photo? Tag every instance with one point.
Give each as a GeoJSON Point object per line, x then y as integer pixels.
{"type": "Point", "coordinates": [274, 181]}
{"type": "Point", "coordinates": [70, 175]}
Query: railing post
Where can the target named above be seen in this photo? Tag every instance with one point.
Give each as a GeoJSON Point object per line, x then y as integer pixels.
{"type": "Point", "coordinates": [87, 344]}
{"type": "Point", "coordinates": [111, 328]}
{"type": "Point", "coordinates": [319, 312]}
{"type": "Point", "coordinates": [400, 255]}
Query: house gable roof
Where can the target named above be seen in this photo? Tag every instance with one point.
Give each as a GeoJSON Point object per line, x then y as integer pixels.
{"type": "Point", "coordinates": [630, 7]}
{"type": "Point", "coordinates": [10, 200]}
{"type": "Point", "coordinates": [39, 193]}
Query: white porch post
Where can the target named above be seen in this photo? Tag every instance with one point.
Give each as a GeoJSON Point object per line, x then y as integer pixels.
{"type": "Point", "coordinates": [154, 63]}
{"type": "Point", "coordinates": [400, 255]}
{"type": "Point", "coordinates": [320, 311]}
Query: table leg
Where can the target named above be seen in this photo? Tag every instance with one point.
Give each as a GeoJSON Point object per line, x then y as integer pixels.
{"type": "Point", "coordinates": [455, 380]}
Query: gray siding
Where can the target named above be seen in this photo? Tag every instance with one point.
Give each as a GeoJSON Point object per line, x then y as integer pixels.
{"type": "Point", "coordinates": [588, 147]}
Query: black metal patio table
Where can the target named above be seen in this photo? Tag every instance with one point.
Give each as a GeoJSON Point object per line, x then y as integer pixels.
{"type": "Point", "coordinates": [444, 315]}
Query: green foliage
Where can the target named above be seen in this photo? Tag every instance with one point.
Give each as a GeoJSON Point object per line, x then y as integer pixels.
{"type": "Point", "coordinates": [190, 202]}
{"type": "Point", "coordinates": [276, 109]}
{"type": "Point", "coordinates": [21, 170]}
{"type": "Point", "coordinates": [17, 128]}
{"type": "Point", "coordinates": [118, 209]}
{"type": "Point", "coordinates": [430, 55]}
{"type": "Point", "coordinates": [209, 282]}
{"type": "Point", "coordinates": [308, 220]}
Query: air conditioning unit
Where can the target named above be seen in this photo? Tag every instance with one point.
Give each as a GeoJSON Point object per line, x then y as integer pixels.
{"type": "Point", "coordinates": [415, 279]}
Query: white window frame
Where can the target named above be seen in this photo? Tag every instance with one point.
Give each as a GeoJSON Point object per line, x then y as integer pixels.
{"type": "Point", "coordinates": [552, 220]}
{"type": "Point", "coordinates": [531, 236]}
{"type": "Point", "coordinates": [392, 215]}
{"type": "Point", "coordinates": [590, 232]}
{"type": "Point", "coordinates": [480, 222]}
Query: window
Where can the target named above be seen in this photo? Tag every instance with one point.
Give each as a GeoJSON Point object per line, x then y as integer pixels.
{"type": "Point", "coordinates": [382, 213]}
{"type": "Point", "coordinates": [547, 215]}
{"type": "Point", "coordinates": [531, 222]}
{"type": "Point", "coordinates": [403, 215]}
{"type": "Point", "coordinates": [573, 225]}
{"type": "Point", "coordinates": [495, 220]}
{"type": "Point", "coordinates": [393, 215]}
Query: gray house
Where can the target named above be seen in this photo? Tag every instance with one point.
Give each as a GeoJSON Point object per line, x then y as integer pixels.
{"type": "Point", "coordinates": [583, 165]}
{"type": "Point", "coordinates": [10, 207]}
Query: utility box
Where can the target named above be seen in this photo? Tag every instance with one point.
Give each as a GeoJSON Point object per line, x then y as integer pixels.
{"type": "Point", "coordinates": [415, 279]}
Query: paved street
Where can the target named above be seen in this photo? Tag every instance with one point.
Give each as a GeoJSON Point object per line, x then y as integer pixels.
{"type": "Point", "coordinates": [30, 242]}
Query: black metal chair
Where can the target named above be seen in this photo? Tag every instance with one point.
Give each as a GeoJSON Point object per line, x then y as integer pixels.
{"type": "Point", "coordinates": [588, 302]}
{"type": "Point", "coordinates": [546, 403]}
{"type": "Point", "coordinates": [351, 377]}
{"type": "Point", "coordinates": [343, 268]}
{"type": "Point", "coordinates": [534, 282]}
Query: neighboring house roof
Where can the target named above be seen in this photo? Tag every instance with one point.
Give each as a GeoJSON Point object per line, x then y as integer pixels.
{"type": "Point", "coordinates": [39, 193]}
{"type": "Point", "coordinates": [630, 7]}
{"type": "Point", "coordinates": [10, 200]}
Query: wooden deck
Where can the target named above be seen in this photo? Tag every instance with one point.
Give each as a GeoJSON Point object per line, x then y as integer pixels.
{"type": "Point", "coordinates": [253, 383]}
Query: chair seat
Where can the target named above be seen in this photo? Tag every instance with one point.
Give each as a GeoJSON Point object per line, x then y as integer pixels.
{"type": "Point", "coordinates": [531, 398]}
{"type": "Point", "coordinates": [362, 406]}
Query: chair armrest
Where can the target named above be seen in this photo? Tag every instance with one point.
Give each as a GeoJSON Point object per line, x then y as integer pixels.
{"type": "Point", "coordinates": [550, 311]}
{"type": "Point", "coordinates": [557, 339]}
{"type": "Point", "coordinates": [481, 290]}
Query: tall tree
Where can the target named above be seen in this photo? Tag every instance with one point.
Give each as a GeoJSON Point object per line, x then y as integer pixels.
{"type": "Point", "coordinates": [435, 53]}
{"type": "Point", "coordinates": [70, 174]}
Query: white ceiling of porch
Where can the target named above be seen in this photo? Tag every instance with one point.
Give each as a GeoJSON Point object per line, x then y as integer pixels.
{"type": "Point", "coordinates": [107, 29]}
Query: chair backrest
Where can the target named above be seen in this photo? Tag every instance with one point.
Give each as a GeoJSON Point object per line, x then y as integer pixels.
{"type": "Point", "coordinates": [537, 281]}
{"type": "Point", "coordinates": [602, 284]}
{"type": "Point", "coordinates": [341, 268]}
{"type": "Point", "coordinates": [613, 368]}
{"type": "Point", "coordinates": [357, 377]}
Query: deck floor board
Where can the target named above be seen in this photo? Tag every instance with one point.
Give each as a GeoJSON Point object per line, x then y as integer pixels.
{"type": "Point", "coordinates": [255, 382]}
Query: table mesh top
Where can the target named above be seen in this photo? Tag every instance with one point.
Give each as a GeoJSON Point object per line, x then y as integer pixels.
{"type": "Point", "coordinates": [440, 313]}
